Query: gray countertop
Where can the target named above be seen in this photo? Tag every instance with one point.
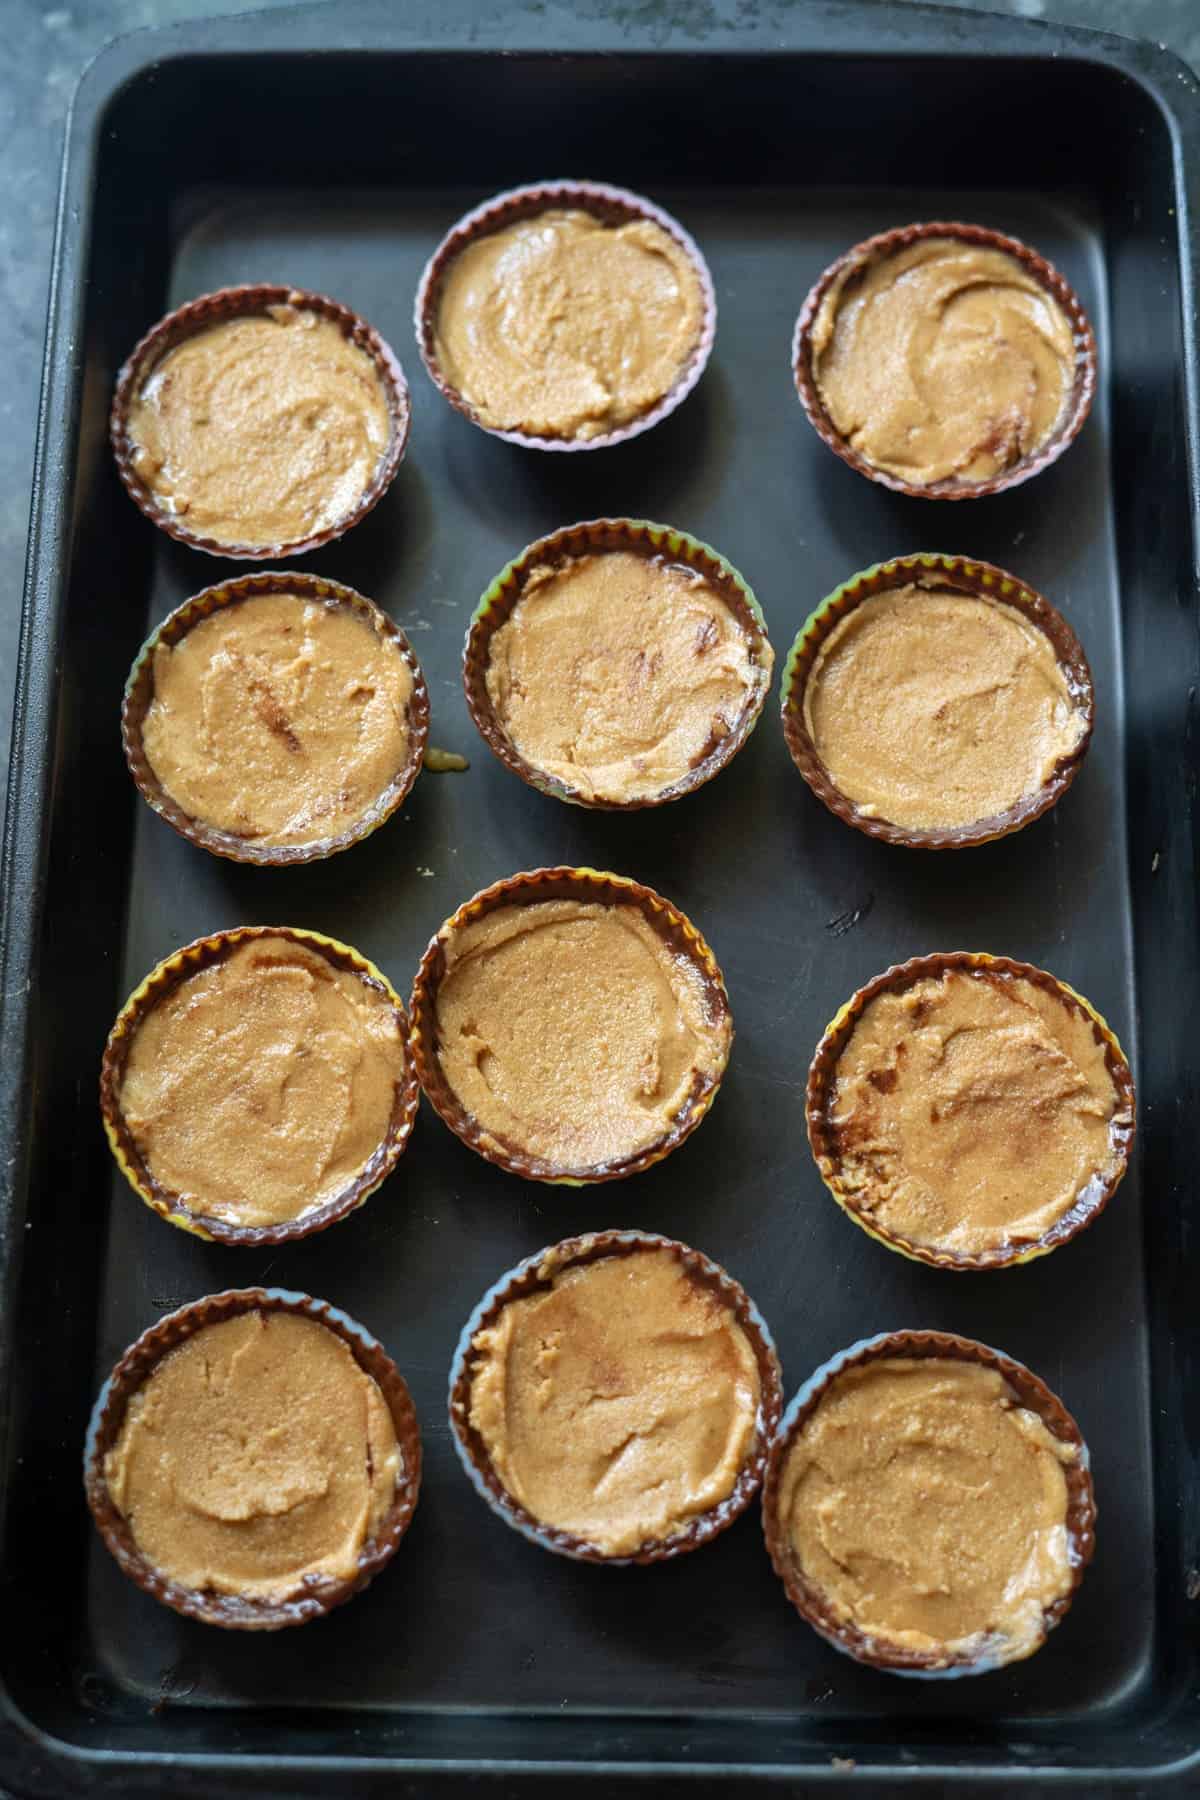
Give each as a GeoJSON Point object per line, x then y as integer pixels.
{"type": "Point", "coordinates": [48, 46]}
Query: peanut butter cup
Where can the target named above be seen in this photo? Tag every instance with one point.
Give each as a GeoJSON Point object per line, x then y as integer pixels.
{"type": "Point", "coordinates": [928, 1505]}
{"type": "Point", "coordinates": [259, 421]}
{"type": "Point", "coordinates": [253, 1460]}
{"type": "Point", "coordinates": [970, 1111]}
{"type": "Point", "coordinates": [944, 360]}
{"type": "Point", "coordinates": [257, 1086]}
{"type": "Point", "coordinates": [612, 1398]}
{"type": "Point", "coordinates": [617, 664]}
{"type": "Point", "coordinates": [566, 316]}
{"type": "Point", "coordinates": [570, 1025]}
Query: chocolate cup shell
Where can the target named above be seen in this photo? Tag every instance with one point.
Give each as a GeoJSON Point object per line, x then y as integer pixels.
{"type": "Point", "coordinates": [139, 693]}
{"type": "Point", "coordinates": [615, 206]}
{"type": "Point", "coordinates": [316, 1595]}
{"type": "Point", "coordinates": [654, 542]}
{"type": "Point", "coordinates": [530, 1276]}
{"type": "Point", "coordinates": [887, 243]}
{"type": "Point", "coordinates": [161, 981]}
{"type": "Point", "coordinates": [595, 886]}
{"type": "Point", "coordinates": [822, 1141]}
{"type": "Point", "coordinates": [215, 309]}
{"type": "Point", "coordinates": [808, 1599]}
{"type": "Point", "coordinates": [972, 577]}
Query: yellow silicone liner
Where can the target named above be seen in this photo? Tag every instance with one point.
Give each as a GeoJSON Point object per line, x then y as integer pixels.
{"type": "Point", "coordinates": [166, 976]}
{"type": "Point", "coordinates": [823, 1070]}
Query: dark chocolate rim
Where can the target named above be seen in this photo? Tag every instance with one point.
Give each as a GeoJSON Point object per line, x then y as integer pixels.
{"type": "Point", "coordinates": [527, 1278]}
{"type": "Point", "coordinates": [616, 206]}
{"type": "Point", "coordinates": [886, 243]}
{"type": "Point", "coordinates": [1033, 1394]}
{"type": "Point", "coordinates": [234, 1611]}
{"type": "Point", "coordinates": [139, 692]}
{"type": "Point", "coordinates": [162, 980]}
{"type": "Point", "coordinates": [653, 542]}
{"type": "Point", "coordinates": [971, 576]}
{"type": "Point", "coordinates": [215, 309]}
{"type": "Point", "coordinates": [822, 1142]}
{"type": "Point", "coordinates": [599, 887]}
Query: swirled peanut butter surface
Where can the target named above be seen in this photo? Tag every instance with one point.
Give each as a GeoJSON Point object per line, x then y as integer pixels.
{"type": "Point", "coordinates": [563, 326]}
{"type": "Point", "coordinates": [260, 430]}
{"type": "Point", "coordinates": [934, 708]}
{"type": "Point", "coordinates": [255, 1455]}
{"type": "Point", "coordinates": [972, 1111]}
{"type": "Point", "coordinates": [278, 719]}
{"type": "Point", "coordinates": [571, 1032]}
{"type": "Point", "coordinates": [618, 673]}
{"type": "Point", "coordinates": [944, 359]}
{"type": "Point", "coordinates": [929, 1508]}
{"type": "Point", "coordinates": [258, 1088]}
{"type": "Point", "coordinates": [618, 1403]}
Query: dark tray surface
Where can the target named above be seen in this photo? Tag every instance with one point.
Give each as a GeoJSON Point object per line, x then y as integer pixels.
{"type": "Point", "coordinates": [474, 1645]}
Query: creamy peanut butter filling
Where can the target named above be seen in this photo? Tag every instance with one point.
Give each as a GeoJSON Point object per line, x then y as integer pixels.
{"type": "Point", "coordinates": [261, 430]}
{"type": "Point", "coordinates": [934, 708]}
{"type": "Point", "coordinates": [569, 1030]}
{"type": "Point", "coordinates": [258, 1088]}
{"type": "Point", "coordinates": [278, 719]}
{"type": "Point", "coordinates": [973, 1111]}
{"type": "Point", "coordinates": [620, 1402]}
{"type": "Point", "coordinates": [929, 1508]}
{"type": "Point", "coordinates": [255, 1456]}
{"type": "Point", "coordinates": [943, 359]}
{"type": "Point", "coordinates": [563, 326]}
{"type": "Point", "coordinates": [618, 673]}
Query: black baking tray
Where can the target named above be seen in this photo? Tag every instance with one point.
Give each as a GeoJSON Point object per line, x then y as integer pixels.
{"type": "Point", "coordinates": [331, 147]}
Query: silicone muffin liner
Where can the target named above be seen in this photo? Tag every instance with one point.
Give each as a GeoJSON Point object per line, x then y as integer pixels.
{"type": "Point", "coordinates": [215, 309]}
{"type": "Point", "coordinates": [139, 693]}
{"type": "Point", "coordinates": [161, 981]}
{"type": "Point", "coordinates": [536, 1273]}
{"type": "Point", "coordinates": [615, 206]}
{"type": "Point", "coordinates": [595, 886]}
{"type": "Point", "coordinates": [823, 1141]}
{"type": "Point", "coordinates": [316, 1596]}
{"type": "Point", "coordinates": [972, 577]}
{"type": "Point", "coordinates": [641, 538]}
{"type": "Point", "coordinates": [888, 243]}
{"type": "Point", "coordinates": [1033, 1394]}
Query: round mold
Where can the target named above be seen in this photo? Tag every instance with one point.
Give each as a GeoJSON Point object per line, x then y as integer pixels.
{"type": "Point", "coordinates": [968, 575]}
{"type": "Point", "coordinates": [217, 309]}
{"type": "Point", "coordinates": [887, 243]}
{"type": "Point", "coordinates": [594, 886]}
{"type": "Point", "coordinates": [315, 1597]}
{"type": "Point", "coordinates": [161, 981]}
{"type": "Point", "coordinates": [536, 1273]}
{"type": "Point", "coordinates": [661, 543]}
{"type": "Point", "coordinates": [139, 694]}
{"type": "Point", "coordinates": [615, 206]}
{"type": "Point", "coordinates": [1032, 1393]}
{"type": "Point", "coordinates": [822, 1073]}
